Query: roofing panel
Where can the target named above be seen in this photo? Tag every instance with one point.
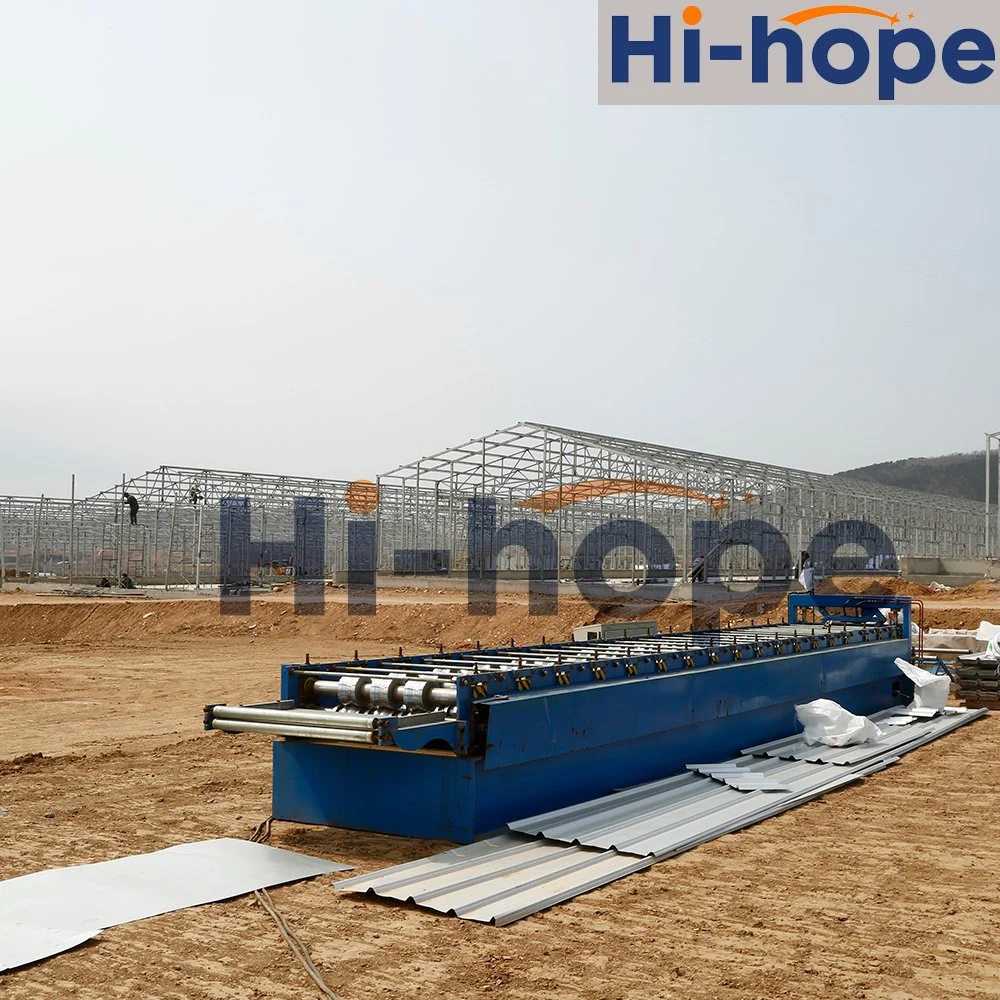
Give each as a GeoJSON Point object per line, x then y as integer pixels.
{"type": "Point", "coordinates": [897, 739]}
{"type": "Point", "coordinates": [663, 824]}
{"type": "Point", "coordinates": [588, 845]}
{"type": "Point", "coordinates": [500, 880]}
{"type": "Point", "coordinates": [669, 817]}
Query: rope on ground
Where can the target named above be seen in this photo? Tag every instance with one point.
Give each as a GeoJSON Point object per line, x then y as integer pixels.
{"type": "Point", "coordinates": [262, 831]}
{"type": "Point", "coordinates": [261, 835]}
{"type": "Point", "coordinates": [299, 950]}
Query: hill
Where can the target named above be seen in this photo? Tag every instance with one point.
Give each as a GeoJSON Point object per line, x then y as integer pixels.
{"type": "Point", "coordinates": [959, 475]}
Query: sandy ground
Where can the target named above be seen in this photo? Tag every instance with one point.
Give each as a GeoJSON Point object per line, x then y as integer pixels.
{"type": "Point", "coordinates": [885, 890]}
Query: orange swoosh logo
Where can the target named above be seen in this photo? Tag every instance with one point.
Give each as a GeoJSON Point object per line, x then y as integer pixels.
{"type": "Point", "coordinates": [813, 12]}
{"type": "Point", "coordinates": [553, 500]}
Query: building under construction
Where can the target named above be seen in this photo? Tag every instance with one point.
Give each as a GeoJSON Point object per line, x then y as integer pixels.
{"type": "Point", "coordinates": [531, 500]}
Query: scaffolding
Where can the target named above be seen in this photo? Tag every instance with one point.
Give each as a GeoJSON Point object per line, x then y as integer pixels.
{"type": "Point", "coordinates": [531, 500]}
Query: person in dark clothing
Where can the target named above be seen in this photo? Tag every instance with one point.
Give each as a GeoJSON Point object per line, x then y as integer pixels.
{"type": "Point", "coordinates": [133, 507]}
{"type": "Point", "coordinates": [194, 495]}
{"type": "Point", "coordinates": [698, 569]}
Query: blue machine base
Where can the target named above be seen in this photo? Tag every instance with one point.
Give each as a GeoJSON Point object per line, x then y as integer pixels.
{"type": "Point", "coordinates": [547, 752]}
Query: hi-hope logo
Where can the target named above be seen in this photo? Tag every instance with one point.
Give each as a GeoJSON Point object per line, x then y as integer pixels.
{"type": "Point", "coordinates": [766, 52]}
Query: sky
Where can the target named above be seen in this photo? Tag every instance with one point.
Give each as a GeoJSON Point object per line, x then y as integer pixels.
{"type": "Point", "coordinates": [327, 238]}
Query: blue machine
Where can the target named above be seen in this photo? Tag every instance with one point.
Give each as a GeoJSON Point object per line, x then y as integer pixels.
{"type": "Point", "coordinates": [453, 746]}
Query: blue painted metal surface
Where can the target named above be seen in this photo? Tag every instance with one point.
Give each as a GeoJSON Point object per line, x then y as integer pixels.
{"type": "Point", "coordinates": [853, 608]}
{"type": "Point", "coordinates": [538, 728]}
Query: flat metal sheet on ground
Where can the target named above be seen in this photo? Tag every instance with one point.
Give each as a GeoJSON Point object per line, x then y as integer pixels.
{"type": "Point", "coordinates": [500, 880]}
{"type": "Point", "coordinates": [50, 911]}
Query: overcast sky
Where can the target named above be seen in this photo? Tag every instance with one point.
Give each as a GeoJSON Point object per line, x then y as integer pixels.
{"type": "Point", "coordinates": [325, 238]}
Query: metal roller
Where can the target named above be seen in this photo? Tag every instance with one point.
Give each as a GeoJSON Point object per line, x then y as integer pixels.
{"type": "Point", "coordinates": [352, 690]}
{"type": "Point", "coordinates": [294, 717]}
{"type": "Point", "coordinates": [382, 692]}
{"type": "Point", "coordinates": [440, 696]}
{"type": "Point", "coordinates": [416, 694]}
{"type": "Point", "coordinates": [302, 732]}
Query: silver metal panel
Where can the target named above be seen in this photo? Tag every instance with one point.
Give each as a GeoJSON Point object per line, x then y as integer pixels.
{"type": "Point", "coordinates": [896, 739]}
{"type": "Point", "coordinates": [23, 944]}
{"type": "Point", "coordinates": [498, 881]}
{"type": "Point", "coordinates": [588, 845]}
{"type": "Point", "coordinates": [46, 912]}
{"type": "Point", "coordinates": [665, 818]}
{"type": "Point", "coordinates": [663, 823]}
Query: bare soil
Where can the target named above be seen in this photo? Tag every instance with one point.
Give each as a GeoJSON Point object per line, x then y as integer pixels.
{"type": "Point", "coordinates": [886, 890]}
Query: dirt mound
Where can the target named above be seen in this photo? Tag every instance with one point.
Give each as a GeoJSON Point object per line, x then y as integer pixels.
{"type": "Point", "coordinates": [891, 585]}
{"type": "Point", "coordinates": [979, 590]}
{"type": "Point", "coordinates": [402, 619]}
{"type": "Point", "coordinates": [450, 624]}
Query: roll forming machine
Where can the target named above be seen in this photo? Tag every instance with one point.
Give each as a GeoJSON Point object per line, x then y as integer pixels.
{"type": "Point", "coordinates": [455, 745]}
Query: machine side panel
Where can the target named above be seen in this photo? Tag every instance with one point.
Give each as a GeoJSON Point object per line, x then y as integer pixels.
{"type": "Point", "coordinates": [411, 794]}
{"type": "Point", "coordinates": [555, 781]}
{"type": "Point", "coordinates": [534, 726]}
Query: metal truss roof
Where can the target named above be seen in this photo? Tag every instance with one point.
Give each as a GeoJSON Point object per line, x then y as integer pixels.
{"type": "Point", "coordinates": [529, 457]}
{"type": "Point", "coordinates": [168, 483]}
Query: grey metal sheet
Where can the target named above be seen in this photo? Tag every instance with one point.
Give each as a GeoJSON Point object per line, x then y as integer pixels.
{"type": "Point", "coordinates": [49, 911]}
{"type": "Point", "coordinates": [741, 775]}
{"type": "Point", "coordinates": [660, 821]}
{"type": "Point", "coordinates": [23, 944]}
{"type": "Point", "coordinates": [666, 818]}
{"type": "Point", "coordinates": [899, 739]}
{"type": "Point", "coordinates": [500, 880]}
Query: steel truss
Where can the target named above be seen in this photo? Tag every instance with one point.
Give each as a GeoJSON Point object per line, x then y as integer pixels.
{"type": "Point", "coordinates": [699, 502]}
{"type": "Point", "coordinates": [580, 502]}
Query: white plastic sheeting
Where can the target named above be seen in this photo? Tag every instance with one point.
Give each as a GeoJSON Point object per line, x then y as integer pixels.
{"type": "Point", "coordinates": [51, 911]}
{"type": "Point", "coordinates": [826, 722]}
{"type": "Point", "coordinates": [987, 631]}
{"type": "Point", "coordinates": [929, 690]}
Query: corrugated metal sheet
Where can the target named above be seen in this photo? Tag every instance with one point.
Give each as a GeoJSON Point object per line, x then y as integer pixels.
{"type": "Point", "coordinates": [498, 881]}
{"type": "Point", "coordinates": [665, 818]}
{"type": "Point", "coordinates": [897, 740]}
{"type": "Point", "coordinates": [661, 823]}
{"type": "Point", "coordinates": [509, 877]}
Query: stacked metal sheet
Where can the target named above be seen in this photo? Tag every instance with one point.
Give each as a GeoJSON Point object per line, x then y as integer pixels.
{"type": "Point", "coordinates": [979, 680]}
{"type": "Point", "coordinates": [588, 845]}
{"type": "Point", "coordinates": [895, 739]}
{"type": "Point", "coordinates": [668, 818]}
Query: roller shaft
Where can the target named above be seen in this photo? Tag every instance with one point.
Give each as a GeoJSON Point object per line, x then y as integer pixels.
{"type": "Point", "coordinates": [294, 717]}
{"type": "Point", "coordinates": [302, 732]}
{"type": "Point", "coordinates": [436, 697]}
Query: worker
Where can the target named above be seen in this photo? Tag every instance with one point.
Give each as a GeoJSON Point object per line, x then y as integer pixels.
{"type": "Point", "coordinates": [807, 578]}
{"type": "Point", "coordinates": [194, 495]}
{"type": "Point", "coordinates": [133, 507]}
{"type": "Point", "coordinates": [698, 569]}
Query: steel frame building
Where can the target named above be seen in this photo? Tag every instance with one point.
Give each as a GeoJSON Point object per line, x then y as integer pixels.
{"type": "Point", "coordinates": [547, 501]}
{"type": "Point", "coordinates": [574, 482]}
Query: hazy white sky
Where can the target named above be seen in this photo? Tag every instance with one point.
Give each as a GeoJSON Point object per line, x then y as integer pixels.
{"type": "Point", "coordinates": [325, 238]}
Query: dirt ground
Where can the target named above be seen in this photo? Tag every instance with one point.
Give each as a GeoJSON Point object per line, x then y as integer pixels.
{"type": "Point", "coordinates": [886, 890]}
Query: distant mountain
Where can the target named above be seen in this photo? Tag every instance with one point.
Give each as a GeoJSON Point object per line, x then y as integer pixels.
{"type": "Point", "coordinates": [960, 475]}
